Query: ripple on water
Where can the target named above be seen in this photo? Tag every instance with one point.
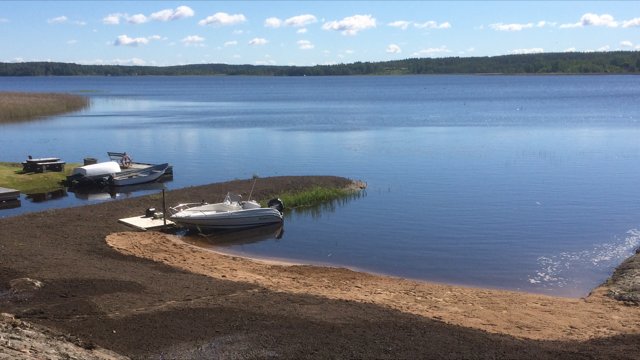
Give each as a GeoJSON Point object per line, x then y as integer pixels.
{"type": "Point", "coordinates": [569, 269]}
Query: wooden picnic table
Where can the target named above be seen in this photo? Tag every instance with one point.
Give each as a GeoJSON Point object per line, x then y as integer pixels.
{"type": "Point", "coordinates": [43, 164]}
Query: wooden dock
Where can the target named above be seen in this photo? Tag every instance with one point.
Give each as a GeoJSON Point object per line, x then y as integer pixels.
{"type": "Point", "coordinates": [9, 194]}
{"type": "Point", "coordinates": [146, 222]}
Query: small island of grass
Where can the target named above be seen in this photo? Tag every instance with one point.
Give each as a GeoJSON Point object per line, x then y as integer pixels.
{"type": "Point", "coordinates": [317, 195]}
{"type": "Point", "coordinates": [16, 106]}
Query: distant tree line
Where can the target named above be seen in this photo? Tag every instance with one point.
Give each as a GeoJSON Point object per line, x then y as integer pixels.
{"type": "Point", "coordinates": [614, 62]}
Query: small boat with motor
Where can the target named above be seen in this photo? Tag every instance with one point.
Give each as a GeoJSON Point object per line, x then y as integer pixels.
{"type": "Point", "coordinates": [119, 171]}
{"type": "Point", "coordinates": [232, 213]}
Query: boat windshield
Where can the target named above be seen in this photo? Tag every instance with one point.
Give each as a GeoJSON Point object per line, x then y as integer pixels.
{"type": "Point", "coordinates": [233, 198]}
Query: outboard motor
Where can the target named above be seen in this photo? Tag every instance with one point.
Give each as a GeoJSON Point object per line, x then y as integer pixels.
{"type": "Point", "coordinates": [276, 204]}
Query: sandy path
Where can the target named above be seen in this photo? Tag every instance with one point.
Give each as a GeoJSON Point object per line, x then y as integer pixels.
{"type": "Point", "coordinates": [517, 314]}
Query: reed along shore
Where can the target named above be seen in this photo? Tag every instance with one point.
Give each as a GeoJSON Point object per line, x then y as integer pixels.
{"type": "Point", "coordinates": [18, 106]}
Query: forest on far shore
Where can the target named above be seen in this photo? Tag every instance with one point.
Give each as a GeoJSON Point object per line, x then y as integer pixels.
{"type": "Point", "coordinates": [610, 62]}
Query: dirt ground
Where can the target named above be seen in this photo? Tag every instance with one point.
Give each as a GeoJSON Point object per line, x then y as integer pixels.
{"type": "Point", "coordinates": [150, 295]}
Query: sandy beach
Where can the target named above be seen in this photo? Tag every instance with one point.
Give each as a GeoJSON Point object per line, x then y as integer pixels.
{"type": "Point", "coordinates": [516, 314]}
{"type": "Point", "coordinates": [83, 276]}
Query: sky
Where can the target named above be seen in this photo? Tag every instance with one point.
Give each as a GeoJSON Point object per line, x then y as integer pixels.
{"type": "Point", "coordinates": [306, 33]}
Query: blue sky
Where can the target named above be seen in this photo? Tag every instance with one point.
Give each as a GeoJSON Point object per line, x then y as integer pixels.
{"type": "Point", "coordinates": [306, 32]}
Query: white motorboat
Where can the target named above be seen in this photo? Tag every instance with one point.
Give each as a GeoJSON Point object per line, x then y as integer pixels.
{"type": "Point", "coordinates": [232, 213]}
{"type": "Point", "coordinates": [98, 169]}
{"type": "Point", "coordinates": [135, 176]}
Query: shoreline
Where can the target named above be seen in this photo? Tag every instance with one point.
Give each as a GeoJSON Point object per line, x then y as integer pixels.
{"type": "Point", "coordinates": [287, 262]}
{"type": "Point", "coordinates": [519, 314]}
{"type": "Point", "coordinates": [142, 307]}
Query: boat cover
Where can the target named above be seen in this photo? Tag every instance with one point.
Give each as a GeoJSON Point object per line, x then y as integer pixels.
{"type": "Point", "coordinates": [103, 168]}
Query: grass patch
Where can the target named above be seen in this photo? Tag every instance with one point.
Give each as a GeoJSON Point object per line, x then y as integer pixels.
{"type": "Point", "coordinates": [312, 197]}
{"type": "Point", "coordinates": [16, 107]}
{"type": "Point", "coordinates": [11, 176]}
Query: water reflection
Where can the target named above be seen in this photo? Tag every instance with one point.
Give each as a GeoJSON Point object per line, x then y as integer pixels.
{"type": "Point", "coordinates": [110, 192]}
{"type": "Point", "coordinates": [224, 238]}
{"type": "Point", "coordinates": [327, 207]}
{"type": "Point", "coordinates": [10, 204]}
{"type": "Point", "coordinates": [46, 196]}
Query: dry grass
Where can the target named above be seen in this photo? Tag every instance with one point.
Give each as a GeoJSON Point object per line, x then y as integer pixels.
{"type": "Point", "coordinates": [15, 107]}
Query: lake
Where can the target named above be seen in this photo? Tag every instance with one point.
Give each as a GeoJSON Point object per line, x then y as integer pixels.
{"type": "Point", "coordinates": [514, 182]}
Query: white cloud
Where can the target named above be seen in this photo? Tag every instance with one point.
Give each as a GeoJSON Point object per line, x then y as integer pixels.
{"type": "Point", "coordinates": [273, 22]}
{"type": "Point", "coordinates": [631, 23]}
{"type": "Point", "coordinates": [302, 31]}
{"type": "Point", "coordinates": [598, 20]}
{"type": "Point", "coordinates": [230, 43]}
{"type": "Point", "coordinates": [137, 61]}
{"type": "Point", "coordinates": [527, 51]}
{"type": "Point", "coordinates": [305, 45]}
{"type": "Point", "coordinates": [510, 27]}
{"type": "Point", "coordinates": [543, 23]}
{"type": "Point", "coordinates": [222, 19]}
{"type": "Point", "coordinates": [162, 15]}
{"type": "Point", "coordinates": [180, 12]}
{"type": "Point", "coordinates": [137, 19]}
{"type": "Point", "coordinates": [300, 20]}
{"type": "Point", "coordinates": [258, 41]}
{"type": "Point", "coordinates": [626, 43]}
{"type": "Point", "coordinates": [432, 51]}
{"type": "Point", "coordinates": [132, 61]}
{"type": "Point", "coordinates": [393, 49]}
{"type": "Point", "coordinates": [351, 25]}
{"type": "Point", "coordinates": [58, 20]}
{"type": "Point", "coordinates": [432, 25]}
{"type": "Point", "coordinates": [125, 40]}
{"type": "Point", "coordinates": [193, 40]}
{"type": "Point", "coordinates": [401, 24]}
{"type": "Point", "coordinates": [604, 48]}
{"type": "Point", "coordinates": [571, 49]}
{"type": "Point", "coordinates": [112, 19]}
{"type": "Point", "coordinates": [590, 19]}
{"type": "Point", "coordinates": [265, 62]}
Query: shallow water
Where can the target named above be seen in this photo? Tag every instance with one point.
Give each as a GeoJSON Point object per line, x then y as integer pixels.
{"type": "Point", "coordinates": [525, 183]}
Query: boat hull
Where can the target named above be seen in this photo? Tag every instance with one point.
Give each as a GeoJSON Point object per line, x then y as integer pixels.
{"type": "Point", "coordinates": [207, 221]}
{"type": "Point", "coordinates": [136, 177]}
{"type": "Point", "coordinates": [101, 175]}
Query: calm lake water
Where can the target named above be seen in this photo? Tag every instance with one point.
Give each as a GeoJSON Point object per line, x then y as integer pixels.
{"type": "Point", "coordinates": [527, 183]}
